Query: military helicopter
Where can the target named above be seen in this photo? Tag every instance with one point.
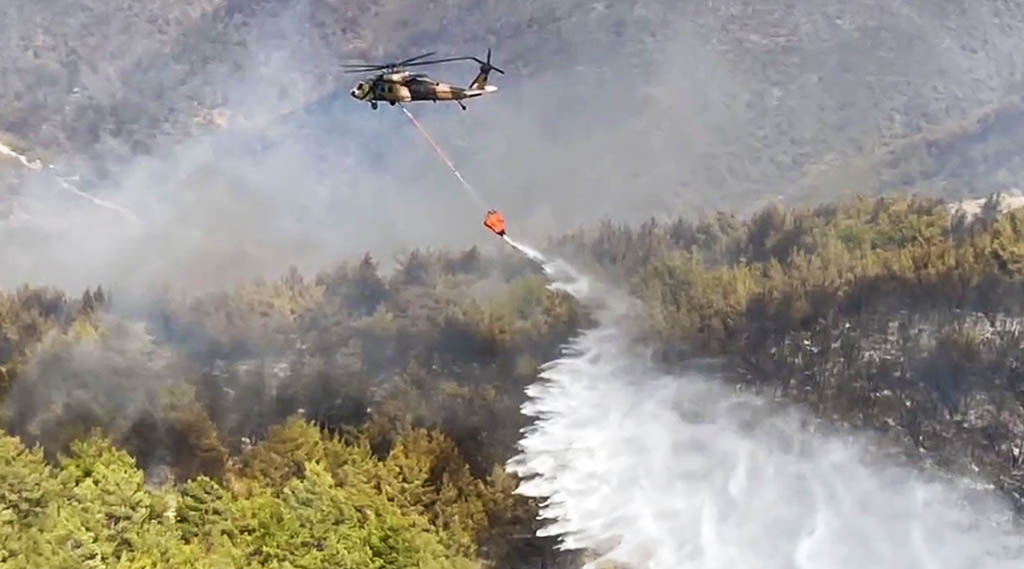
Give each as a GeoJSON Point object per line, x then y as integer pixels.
{"type": "Point", "coordinates": [396, 85]}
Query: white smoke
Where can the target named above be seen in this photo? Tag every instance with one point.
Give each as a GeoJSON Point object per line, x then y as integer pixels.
{"type": "Point", "coordinates": [660, 471]}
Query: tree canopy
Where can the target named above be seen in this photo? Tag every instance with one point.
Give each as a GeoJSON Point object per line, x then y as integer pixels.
{"type": "Point", "coordinates": [362, 419]}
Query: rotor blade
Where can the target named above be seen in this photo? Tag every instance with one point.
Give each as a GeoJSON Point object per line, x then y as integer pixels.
{"type": "Point", "coordinates": [351, 71]}
{"type": "Point", "coordinates": [390, 65]}
{"type": "Point", "coordinates": [445, 60]}
{"type": "Point", "coordinates": [488, 64]}
{"type": "Point", "coordinates": [411, 59]}
{"type": "Point", "coordinates": [363, 66]}
{"type": "Point", "coordinates": [412, 62]}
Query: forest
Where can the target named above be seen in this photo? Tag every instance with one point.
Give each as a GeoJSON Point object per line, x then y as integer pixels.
{"type": "Point", "coordinates": [361, 418]}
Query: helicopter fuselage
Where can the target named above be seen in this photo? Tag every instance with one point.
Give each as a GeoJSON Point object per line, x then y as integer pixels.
{"type": "Point", "coordinates": [395, 85]}
{"type": "Point", "coordinates": [404, 87]}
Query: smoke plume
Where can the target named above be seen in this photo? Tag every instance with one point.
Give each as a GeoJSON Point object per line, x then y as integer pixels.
{"type": "Point", "coordinates": [228, 130]}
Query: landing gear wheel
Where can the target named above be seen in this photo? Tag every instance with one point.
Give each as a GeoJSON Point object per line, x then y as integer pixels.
{"type": "Point", "coordinates": [373, 105]}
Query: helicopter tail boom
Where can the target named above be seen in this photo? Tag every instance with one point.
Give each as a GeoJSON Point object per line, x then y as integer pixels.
{"type": "Point", "coordinates": [476, 92]}
{"type": "Point", "coordinates": [479, 82]}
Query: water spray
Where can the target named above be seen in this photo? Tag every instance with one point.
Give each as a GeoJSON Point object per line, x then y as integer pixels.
{"type": "Point", "coordinates": [650, 470]}
{"type": "Point", "coordinates": [531, 253]}
{"type": "Point", "coordinates": [102, 203]}
{"type": "Point", "coordinates": [37, 165]}
{"type": "Point", "coordinates": [493, 221]}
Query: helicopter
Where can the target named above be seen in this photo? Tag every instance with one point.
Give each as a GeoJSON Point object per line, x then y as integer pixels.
{"type": "Point", "coordinates": [396, 85]}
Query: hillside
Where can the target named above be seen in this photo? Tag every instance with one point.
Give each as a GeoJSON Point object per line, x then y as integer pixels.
{"type": "Point", "coordinates": [892, 315]}
{"type": "Point", "coordinates": [745, 101]}
{"type": "Point", "coordinates": [247, 321]}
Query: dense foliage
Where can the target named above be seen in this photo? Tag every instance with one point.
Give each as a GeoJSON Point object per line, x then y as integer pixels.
{"type": "Point", "coordinates": [362, 419]}
{"type": "Point", "coordinates": [299, 499]}
{"type": "Point", "coordinates": [419, 376]}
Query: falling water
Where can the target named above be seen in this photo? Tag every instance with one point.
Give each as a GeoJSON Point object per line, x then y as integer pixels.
{"type": "Point", "coordinates": [661, 471]}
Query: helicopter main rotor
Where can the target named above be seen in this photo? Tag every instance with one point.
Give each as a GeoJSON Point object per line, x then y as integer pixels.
{"type": "Point", "coordinates": [414, 61]}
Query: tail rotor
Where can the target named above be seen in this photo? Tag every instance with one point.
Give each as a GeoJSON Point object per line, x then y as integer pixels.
{"type": "Point", "coordinates": [485, 66]}
{"type": "Point", "coordinates": [480, 81]}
